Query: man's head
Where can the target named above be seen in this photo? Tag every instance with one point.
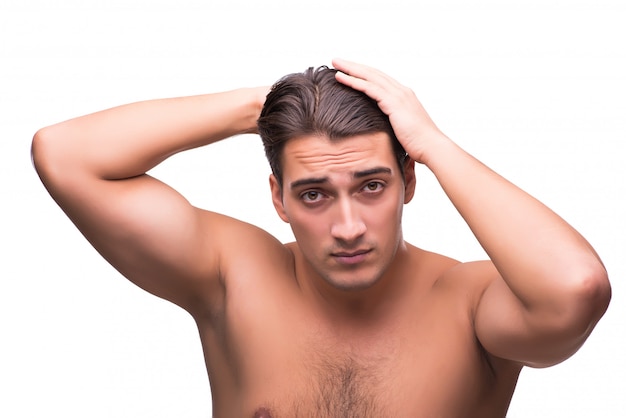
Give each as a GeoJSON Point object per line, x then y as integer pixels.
{"type": "Point", "coordinates": [340, 177]}
{"type": "Point", "coordinates": [314, 103]}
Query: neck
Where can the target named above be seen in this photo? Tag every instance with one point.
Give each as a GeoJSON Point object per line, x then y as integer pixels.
{"type": "Point", "coordinates": [358, 305]}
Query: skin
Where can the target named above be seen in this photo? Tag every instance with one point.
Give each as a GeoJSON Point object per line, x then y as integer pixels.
{"type": "Point", "coordinates": [344, 201]}
{"type": "Point", "coordinates": [350, 316]}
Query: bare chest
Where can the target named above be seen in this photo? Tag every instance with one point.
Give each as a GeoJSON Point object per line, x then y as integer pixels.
{"type": "Point", "coordinates": [328, 381]}
{"type": "Point", "coordinates": [337, 387]}
{"type": "Point", "coordinates": [292, 365]}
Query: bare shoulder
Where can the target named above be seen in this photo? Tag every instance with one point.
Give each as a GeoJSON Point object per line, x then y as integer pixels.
{"type": "Point", "coordinates": [450, 277]}
{"type": "Point", "coordinates": [461, 284]}
{"type": "Point", "coordinates": [473, 277]}
{"type": "Point", "coordinates": [465, 283]}
{"type": "Point", "coordinates": [251, 265]}
{"type": "Point", "coordinates": [243, 247]}
{"type": "Point", "coordinates": [235, 234]}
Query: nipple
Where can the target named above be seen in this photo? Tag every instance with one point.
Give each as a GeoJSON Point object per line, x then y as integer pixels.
{"type": "Point", "coordinates": [262, 413]}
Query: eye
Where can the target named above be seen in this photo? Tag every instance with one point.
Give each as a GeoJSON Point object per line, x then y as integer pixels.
{"type": "Point", "coordinates": [311, 196]}
{"type": "Point", "coordinates": [373, 187]}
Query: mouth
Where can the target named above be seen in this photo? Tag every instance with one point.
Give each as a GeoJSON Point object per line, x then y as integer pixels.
{"type": "Point", "coordinates": [351, 257]}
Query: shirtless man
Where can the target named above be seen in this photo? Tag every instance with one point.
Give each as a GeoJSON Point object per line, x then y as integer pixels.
{"type": "Point", "coordinates": [350, 320]}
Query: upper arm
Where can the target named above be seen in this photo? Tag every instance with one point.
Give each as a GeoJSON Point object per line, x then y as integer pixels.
{"type": "Point", "coordinates": [145, 229]}
{"type": "Point", "coordinates": [508, 329]}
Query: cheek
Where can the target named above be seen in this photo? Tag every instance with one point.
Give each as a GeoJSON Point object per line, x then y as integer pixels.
{"type": "Point", "coordinates": [386, 218]}
{"type": "Point", "coordinates": [385, 222]}
{"type": "Point", "coordinates": [308, 229]}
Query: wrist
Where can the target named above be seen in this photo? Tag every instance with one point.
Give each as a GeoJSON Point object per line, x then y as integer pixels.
{"type": "Point", "coordinates": [430, 148]}
{"type": "Point", "coordinates": [254, 105]}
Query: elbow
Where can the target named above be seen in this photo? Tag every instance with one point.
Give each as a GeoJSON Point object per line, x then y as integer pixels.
{"type": "Point", "coordinates": [587, 300]}
{"type": "Point", "coordinates": [593, 295]}
{"type": "Point", "coordinates": [580, 310]}
{"type": "Point", "coordinates": [40, 150]}
{"type": "Point", "coordinates": [47, 154]}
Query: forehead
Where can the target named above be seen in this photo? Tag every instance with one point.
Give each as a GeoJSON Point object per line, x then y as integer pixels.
{"type": "Point", "coordinates": [319, 156]}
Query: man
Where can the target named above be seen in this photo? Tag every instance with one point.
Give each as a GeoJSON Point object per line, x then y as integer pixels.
{"type": "Point", "coordinates": [350, 320]}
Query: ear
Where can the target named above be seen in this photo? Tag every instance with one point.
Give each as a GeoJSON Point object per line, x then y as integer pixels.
{"type": "Point", "coordinates": [409, 179]}
{"type": "Point", "coordinates": [277, 198]}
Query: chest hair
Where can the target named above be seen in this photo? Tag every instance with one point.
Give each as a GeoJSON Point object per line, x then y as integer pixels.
{"type": "Point", "coordinates": [336, 388]}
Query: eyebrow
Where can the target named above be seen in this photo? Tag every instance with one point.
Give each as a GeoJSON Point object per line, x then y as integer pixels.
{"type": "Point", "coordinates": [370, 171]}
{"type": "Point", "coordinates": [357, 175]}
{"type": "Point", "coordinates": [308, 181]}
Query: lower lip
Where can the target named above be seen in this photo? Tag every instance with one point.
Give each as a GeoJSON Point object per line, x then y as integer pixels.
{"type": "Point", "coordinates": [352, 259]}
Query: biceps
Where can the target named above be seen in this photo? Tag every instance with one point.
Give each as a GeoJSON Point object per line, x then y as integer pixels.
{"type": "Point", "coordinates": [147, 231]}
{"type": "Point", "coordinates": [508, 329]}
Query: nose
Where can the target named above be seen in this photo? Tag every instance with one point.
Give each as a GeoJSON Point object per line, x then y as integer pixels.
{"type": "Point", "coordinates": [348, 225]}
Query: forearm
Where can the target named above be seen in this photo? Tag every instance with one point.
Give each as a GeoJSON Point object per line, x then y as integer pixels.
{"type": "Point", "coordinates": [128, 140]}
{"type": "Point", "coordinates": [539, 255]}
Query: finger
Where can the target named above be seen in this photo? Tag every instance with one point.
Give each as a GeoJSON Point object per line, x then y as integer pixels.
{"type": "Point", "coordinates": [348, 67]}
{"type": "Point", "coordinates": [364, 72]}
{"type": "Point", "coordinates": [373, 90]}
{"type": "Point", "coordinates": [354, 69]}
{"type": "Point", "coordinates": [357, 76]}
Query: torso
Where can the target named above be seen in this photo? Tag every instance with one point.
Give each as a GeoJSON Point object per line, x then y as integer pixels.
{"type": "Point", "coordinates": [271, 353]}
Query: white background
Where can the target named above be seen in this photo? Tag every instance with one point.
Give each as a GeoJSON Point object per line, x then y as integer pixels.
{"type": "Point", "coordinates": [535, 89]}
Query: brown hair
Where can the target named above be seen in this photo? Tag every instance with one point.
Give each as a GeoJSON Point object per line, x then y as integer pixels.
{"type": "Point", "coordinates": [315, 103]}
